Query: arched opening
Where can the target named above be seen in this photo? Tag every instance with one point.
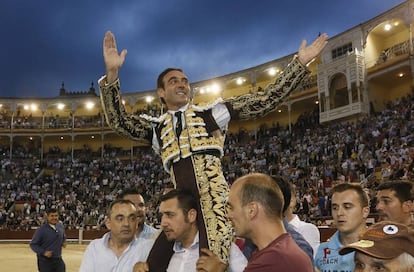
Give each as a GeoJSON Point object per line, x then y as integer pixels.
{"type": "Point", "coordinates": [338, 92]}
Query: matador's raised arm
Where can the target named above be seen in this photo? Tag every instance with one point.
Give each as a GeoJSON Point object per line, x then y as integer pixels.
{"type": "Point", "coordinates": [125, 124]}
{"type": "Point", "coordinates": [254, 105]}
{"type": "Point", "coordinates": [250, 106]}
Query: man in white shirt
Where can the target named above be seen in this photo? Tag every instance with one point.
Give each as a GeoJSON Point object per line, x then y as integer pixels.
{"type": "Point", "coordinates": [143, 229]}
{"type": "Point", "coordinates": [309, 231]}
{"type": "Point", "coordinates": [179, 223]}
{"type": "Point", "coordinates": [118, 250]}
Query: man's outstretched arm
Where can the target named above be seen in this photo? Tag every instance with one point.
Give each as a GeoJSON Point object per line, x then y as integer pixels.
{"type": "Point", "coordinates": [250, 106]}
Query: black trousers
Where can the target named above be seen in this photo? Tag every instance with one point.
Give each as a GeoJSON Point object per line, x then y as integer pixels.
{"type": "Point", "coordinates": [45, 264]}
{"type": "Point", "coordinates": [160, 254]}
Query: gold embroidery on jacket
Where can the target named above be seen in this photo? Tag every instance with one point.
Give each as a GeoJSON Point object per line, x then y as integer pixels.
{"type": "Point", "coordinates": [193, 139]}
{"type": "Point", "coordinates": [250, 106]}
{"type": "Point", "coordinates": [214, 191]}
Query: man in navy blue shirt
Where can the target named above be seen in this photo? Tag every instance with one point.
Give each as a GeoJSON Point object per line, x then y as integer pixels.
{"type": "Point", "coordinates": [47, 242]}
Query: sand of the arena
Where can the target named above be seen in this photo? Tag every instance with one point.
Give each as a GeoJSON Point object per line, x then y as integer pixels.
{"type": "Point", "coordinates": [19, 257]}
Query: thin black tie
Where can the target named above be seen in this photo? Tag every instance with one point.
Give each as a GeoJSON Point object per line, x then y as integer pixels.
{"type": "Point", "coordinates": [179, 124]}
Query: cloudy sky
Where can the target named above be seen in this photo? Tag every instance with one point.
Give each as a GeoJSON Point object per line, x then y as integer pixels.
{"type": "Point", "coordinates": [45, 43]}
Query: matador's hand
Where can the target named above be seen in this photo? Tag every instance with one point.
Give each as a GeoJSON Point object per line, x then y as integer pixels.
{"type": "Point", "coordinates": [113, 60]}
{"type": "Point", "coordinates": [307, 54]}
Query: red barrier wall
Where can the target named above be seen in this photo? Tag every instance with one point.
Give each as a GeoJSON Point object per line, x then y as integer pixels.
{"type": "Point", "coordinates": [93, 234]}
{"type": "Point", "coordinates": [70, 234]}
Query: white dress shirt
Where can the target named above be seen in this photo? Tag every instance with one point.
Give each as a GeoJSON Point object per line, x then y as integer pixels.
{"type": "Point", "coordinates": [185, 259]}
{"type": "Point", "coordinates": [98, 257]}
{"type": "Point", "coordinates": [148, 232]}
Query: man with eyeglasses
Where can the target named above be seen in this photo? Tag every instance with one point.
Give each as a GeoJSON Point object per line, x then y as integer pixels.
{"type": "Point", "coordinates": [118, 249]}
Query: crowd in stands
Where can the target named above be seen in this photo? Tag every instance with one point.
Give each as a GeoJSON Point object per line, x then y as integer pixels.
{"type": "Point", "coordinates": [27, 121]}
{"type": "Point", "coordinates": [49, 121]}
{"type": "Point", "coordinates": [313, 156]}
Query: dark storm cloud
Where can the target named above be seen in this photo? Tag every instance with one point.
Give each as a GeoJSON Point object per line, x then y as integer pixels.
{"type": "Point", "coordinates": [47, 42]}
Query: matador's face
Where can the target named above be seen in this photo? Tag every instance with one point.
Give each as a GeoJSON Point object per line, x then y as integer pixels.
{"type": "Point", "coordinates": [176, 91]}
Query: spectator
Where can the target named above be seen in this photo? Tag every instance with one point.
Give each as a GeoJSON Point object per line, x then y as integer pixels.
{"type": "Point", "coordinates": [395, 201]}
{"type": "Point", "coordinates": [350, 210]}
{"type": "Point", "coordinates": [309, 231]}
{"type": "Point", "coordinates": [256, 212]}
{"type": "Point", "coordinates": [143, 229]}
{"type": "Point", "coordinates": [47, 243]}
{"type": "Point", "coordinates": [284, 186]}
{"type": "Point", "coordinates": [385, 246]}
{"type": "Point", "coordinates": [179, 222]}
{"type": "Point", "coordinates": [118, 249]}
